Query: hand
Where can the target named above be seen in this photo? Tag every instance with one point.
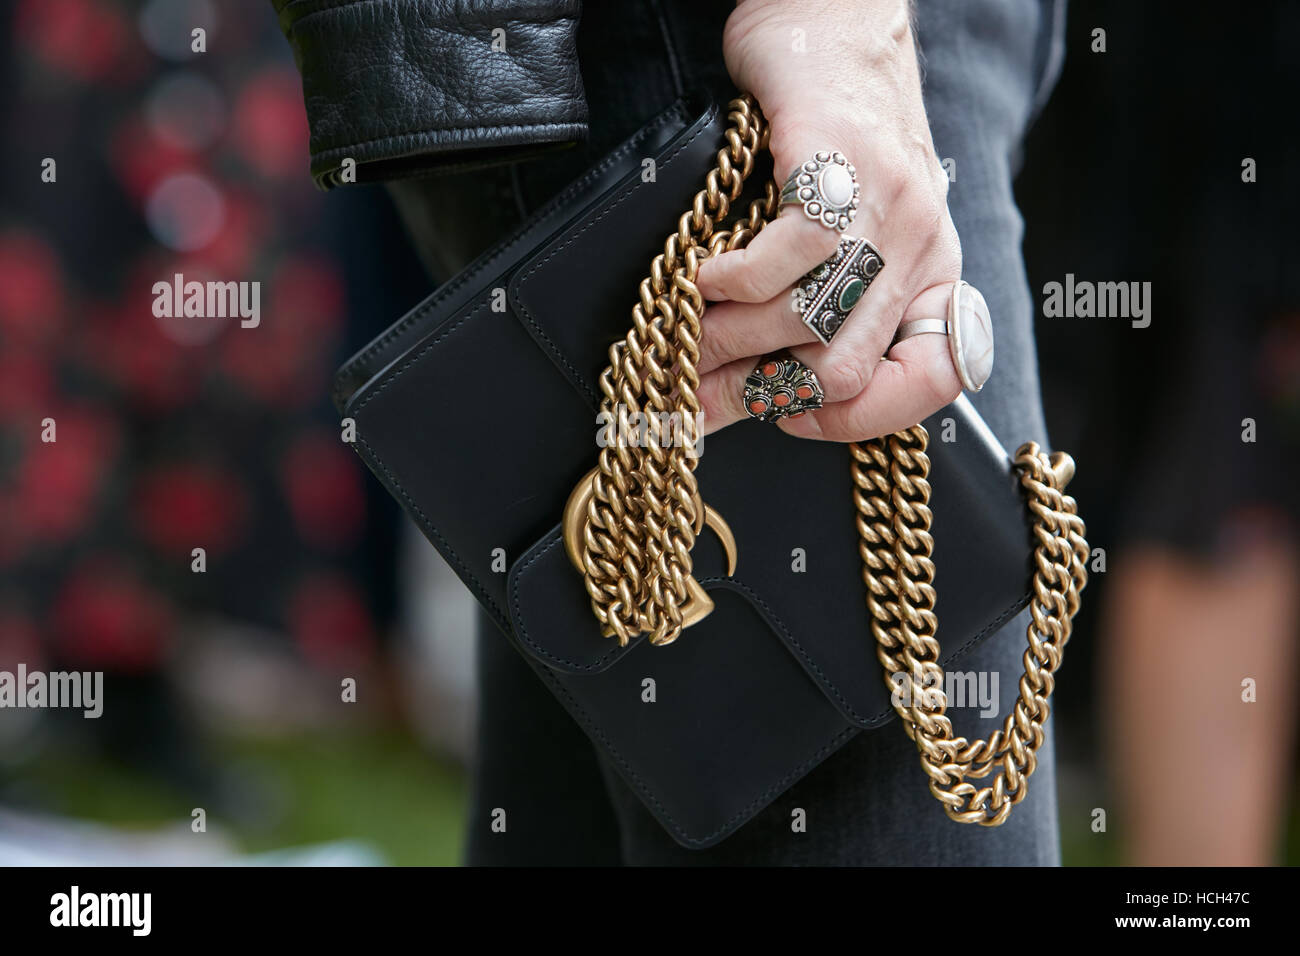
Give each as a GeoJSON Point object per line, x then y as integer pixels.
{"type": "Point", "coordinates": [855, 87]}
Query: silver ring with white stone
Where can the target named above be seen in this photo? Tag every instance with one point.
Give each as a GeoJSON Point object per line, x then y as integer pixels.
{"type": "Point", "coordinates": [827, 188]}
{"type": "Point", "coordinates": [970, 334]}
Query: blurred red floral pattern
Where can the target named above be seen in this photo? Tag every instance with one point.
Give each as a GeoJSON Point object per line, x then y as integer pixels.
{"type": "Point", "coordinates": [168, 434]}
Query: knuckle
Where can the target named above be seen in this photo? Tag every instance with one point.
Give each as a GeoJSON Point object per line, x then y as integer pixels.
{"type": "Point", "coordinates": [719, 344]}
{"type": "Point", "coordinates": [712, 339]}
{"type": "Point", "coordinates": [845, 376]}
{"type": "Point", "coordinates": [820, 129]}
{"type": "Point", "coordinates": [939, 181]}
{"type": "Point", "coordinates": [858, 427]}
{"type": "Point", "coordinates": [942, 256]}
{"type": "Point", "coordinates": [713, 400]}
{"type": "Point", "coordinates": [929, 209]}
{"type": "Point", "coordinates": [918, 199]}
{"type": "Point", "coordinates": [711, 349]}
{"type": "Point", "coordinates": [892, 181]}
{"type": "Point", "coordinates": [782, 145]}
{"type": "Point", "coordinates": [747, 280]}
{"type": "Point", "coordinates": [822, 242]}
{"type": "Point", "coordinates": [752, 287]}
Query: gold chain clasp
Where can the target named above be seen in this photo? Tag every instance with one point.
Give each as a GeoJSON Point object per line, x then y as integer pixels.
{"type": "Point", "coordinates": [698, 603]}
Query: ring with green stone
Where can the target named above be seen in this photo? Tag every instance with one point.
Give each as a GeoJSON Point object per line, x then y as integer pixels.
{"type": "Point", "coordinates": [826, 295]}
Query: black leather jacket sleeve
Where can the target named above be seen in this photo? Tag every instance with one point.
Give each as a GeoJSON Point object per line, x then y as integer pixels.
{"type": "Point", "coordinates": [408, 87]}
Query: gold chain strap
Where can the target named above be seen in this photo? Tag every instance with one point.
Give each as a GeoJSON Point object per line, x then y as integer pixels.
{"type": "Point", "coordinates": [643, 510]}
{"type": "Point", "coordinates": [892, 494]}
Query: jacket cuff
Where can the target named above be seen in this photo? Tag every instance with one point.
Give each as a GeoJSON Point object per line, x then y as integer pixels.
{"type": "Point", "coordinates": [408, 87]}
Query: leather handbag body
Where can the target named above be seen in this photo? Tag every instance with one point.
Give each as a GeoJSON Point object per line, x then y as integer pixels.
{"type": "Point", "coordinates": [478, 413]}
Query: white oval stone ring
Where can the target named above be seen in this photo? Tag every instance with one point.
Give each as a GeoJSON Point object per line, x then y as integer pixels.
{"type": "Point", "coordinates": [827, 188]}
{"type": "Point", "coordinates": [970, 334]}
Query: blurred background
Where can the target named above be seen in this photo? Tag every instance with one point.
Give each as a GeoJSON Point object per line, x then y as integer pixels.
{"type": "Point", "coordinates": [224, 685]}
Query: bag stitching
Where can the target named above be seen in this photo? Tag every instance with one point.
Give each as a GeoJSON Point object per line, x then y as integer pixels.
{"type": "Point", "coordinates": [635, 778]}
{"type": "Point", "coordinates": [637, 781]}
{"type": "Point", "coordinates": [519, 304]}
{"type": "Point", "coordinates": [522, 629]}
{"type": "Point", "coordinates": [446, 290]}
{"type": "Point", "coordinates": [581, 712]}
{"type": "Point", "coordinates": [775, 620]}
{"type": "Point", "coordinates": [426, 523]}
{"type": "Point", "coordinates": [442, 333]}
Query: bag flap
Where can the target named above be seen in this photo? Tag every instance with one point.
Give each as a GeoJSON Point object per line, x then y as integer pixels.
{"type": "Point", "coordinates": [799, 565]}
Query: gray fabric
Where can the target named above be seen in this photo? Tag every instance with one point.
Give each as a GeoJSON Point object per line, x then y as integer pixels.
{"type": "Point", "coordinates": [988, 66]}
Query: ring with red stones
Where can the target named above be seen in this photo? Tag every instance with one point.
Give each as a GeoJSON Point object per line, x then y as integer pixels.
{"type": "Point", "coordinates": [781, 387]}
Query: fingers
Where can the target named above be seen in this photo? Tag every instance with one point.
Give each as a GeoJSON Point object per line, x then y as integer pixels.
{"type": "Point", "coordinates": [736, 330]}
{"type": "Point", "coordinates": [771, 263]}
{"type": "Point", "coordinates": [846, 366]}
{"type": "Point", "coordinates": [917, 379]}
{"type": "Point", "coordinates": [930, 304]}
{"type": "Point", "coordinates": [864, 398]}
{"type": "Point", "coordinates": [842, 373]}
{"type": "Point", "coordinates": [850, 360]}
{"type": "Point", "coordinates": [786, 248]}
{"type": "Point", "coordinates": [722, 394]}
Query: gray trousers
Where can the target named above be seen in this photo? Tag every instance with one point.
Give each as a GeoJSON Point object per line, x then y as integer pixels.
{"type": "Point", "coordinates": [988, 66]}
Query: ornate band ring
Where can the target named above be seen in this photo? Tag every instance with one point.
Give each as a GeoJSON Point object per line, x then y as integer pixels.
{"type": "Point", "coordinates": [826, 186]}
{"type": "Point", "coordinates": [782, 387]}
{"type": "Point", "coordinates": [826, 295]}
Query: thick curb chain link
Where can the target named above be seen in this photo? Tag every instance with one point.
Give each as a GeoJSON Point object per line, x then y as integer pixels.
{"type": "Point", "coordinates": [891, 495]}
{"type": "Point", "coordinates": [646, 510]}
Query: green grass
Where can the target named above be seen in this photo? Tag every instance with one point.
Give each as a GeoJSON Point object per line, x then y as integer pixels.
{"type": "Point", "coordinates": [379, 788]}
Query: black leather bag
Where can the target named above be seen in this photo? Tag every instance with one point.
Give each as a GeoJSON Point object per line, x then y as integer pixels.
{"type": "Point", "coordinates": [477, 412]}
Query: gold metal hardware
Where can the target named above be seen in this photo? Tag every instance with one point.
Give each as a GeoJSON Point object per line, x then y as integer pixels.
{"type": "Point", "coordinates": [698, 604]}
{"type": "Point", "coordinates": [642, 510]}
